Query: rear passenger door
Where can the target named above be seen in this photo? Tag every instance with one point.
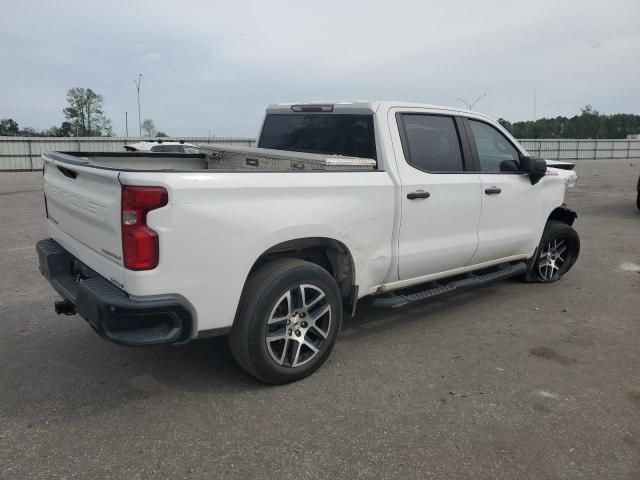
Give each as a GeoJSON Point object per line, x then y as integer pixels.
{"type": "Point", "coordinates": [506, 228]}
{"type": "Point", "coordinates": [440, 197]}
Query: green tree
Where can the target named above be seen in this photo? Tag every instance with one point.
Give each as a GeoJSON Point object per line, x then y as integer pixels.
{"type": "Point", "coordinates": [8, 126]}
{"type": "Point", "coordinates": [148, 128]}
{"type": "Point", "coordinates": [85, 113]}
{"type": "Point", "coordinates": [589, 124]}
{"type": "Point", "coordinates": [29, 132]}
{"type": "Point", "coordinates": [506, 124]}
{"type": "Point", "coordinates": [621, 124]}
{"type": "Point", "coordinates": [64, 130]}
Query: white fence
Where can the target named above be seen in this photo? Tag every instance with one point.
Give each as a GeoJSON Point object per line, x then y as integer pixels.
{"type": "Point", "coordinates": [582, 149]}
{"type": "Point", "coordinates": [22, 153]}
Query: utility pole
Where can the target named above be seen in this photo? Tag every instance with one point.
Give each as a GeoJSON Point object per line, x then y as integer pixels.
{"type": "Point", "coordinates": [473, 104]}
{"type": "Point", "coordinates": [126, 124]}
{"type": "Point", "coordinates": [137, 82]}
{"type": "Point", "coordinates": [535, 112]}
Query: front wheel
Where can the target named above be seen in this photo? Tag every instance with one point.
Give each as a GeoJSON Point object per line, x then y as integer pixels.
{"type": "Point", "coordinates": [557, 253]}
{"type": "Point", "coordinates": [288, 320]}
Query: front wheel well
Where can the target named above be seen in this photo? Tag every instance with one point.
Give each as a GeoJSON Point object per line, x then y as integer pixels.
{"type": "Point", "coordinates": [563, 214]}
{"type": "Point", "coordinates": [330, 254]}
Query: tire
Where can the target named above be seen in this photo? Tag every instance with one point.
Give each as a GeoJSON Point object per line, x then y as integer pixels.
{"type": "Point", "coordinates": [557, 253]}
{"type": "Point", "coordinates": [638, 201]}
{"type": "Point", "coordinates": [277, 337]}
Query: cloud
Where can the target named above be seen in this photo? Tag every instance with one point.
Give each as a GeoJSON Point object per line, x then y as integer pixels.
{"type": "Point", "coordinates": [231, 59]}
{"type": "Point", "coordinates": [151, 57]}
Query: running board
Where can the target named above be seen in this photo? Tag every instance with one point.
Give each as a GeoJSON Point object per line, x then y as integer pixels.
{"type": "Point", "coordinates": [397, 300]}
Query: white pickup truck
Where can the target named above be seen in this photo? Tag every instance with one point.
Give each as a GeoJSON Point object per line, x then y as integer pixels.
{"type": "Point", "coordinates": [166, 248]}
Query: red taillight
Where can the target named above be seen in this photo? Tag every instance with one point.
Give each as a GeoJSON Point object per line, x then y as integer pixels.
{"type": "Point", "coordinates": [140, 247]}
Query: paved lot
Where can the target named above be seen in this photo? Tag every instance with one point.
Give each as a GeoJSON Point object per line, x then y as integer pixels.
{"type": "Point", "coordinates": [514, 381]}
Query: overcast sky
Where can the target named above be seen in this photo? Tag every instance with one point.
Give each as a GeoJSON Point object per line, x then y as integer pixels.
{"type": "Point", "coordinates": [214, 66]}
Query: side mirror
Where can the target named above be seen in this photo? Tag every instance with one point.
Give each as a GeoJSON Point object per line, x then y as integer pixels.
{"type": "Point", "coordinates": [535, 167]}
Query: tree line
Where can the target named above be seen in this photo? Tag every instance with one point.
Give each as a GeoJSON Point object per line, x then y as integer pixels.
{"type": "Point", "coordinates": [589, 124]}
{"type": "Point", "coordinates": [84, 117]}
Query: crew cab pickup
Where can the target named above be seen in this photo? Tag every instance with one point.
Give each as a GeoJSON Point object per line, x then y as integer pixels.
{"type": "Point", "coordinates": [167, 248]}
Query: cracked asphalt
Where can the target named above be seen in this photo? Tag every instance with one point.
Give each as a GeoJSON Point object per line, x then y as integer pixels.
{"type": "Point", "coordinates": [511, 381]}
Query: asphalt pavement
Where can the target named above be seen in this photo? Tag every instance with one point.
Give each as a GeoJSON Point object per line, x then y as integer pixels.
{"type": "Point", "coordinates": [512, 381]}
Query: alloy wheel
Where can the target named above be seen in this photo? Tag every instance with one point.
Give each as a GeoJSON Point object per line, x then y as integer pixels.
{"type": "Point", "coordinates": [552, 257]}
{"type": "Point", "coordinates": [298, 326]}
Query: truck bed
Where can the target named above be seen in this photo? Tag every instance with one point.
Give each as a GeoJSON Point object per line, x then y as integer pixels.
{"type": "Point", "coordinates": [218, 158]}
{"type": "Point", "coordinates": [216, 223]}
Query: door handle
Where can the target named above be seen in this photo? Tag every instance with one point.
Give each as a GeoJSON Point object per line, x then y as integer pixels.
{"type": "Point", "coordinates": [492, 191]}
{"type": "Point", "coordinates": [418, 194]}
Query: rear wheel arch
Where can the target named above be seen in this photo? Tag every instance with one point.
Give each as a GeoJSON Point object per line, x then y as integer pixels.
{"type": "Point", "coordinates": [328, 253]}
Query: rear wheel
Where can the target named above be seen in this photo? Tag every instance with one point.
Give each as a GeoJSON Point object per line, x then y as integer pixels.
{"type": "Point", "coordinates": [288, 320]}
{"type": "Point", "coordinates": [558, 251]}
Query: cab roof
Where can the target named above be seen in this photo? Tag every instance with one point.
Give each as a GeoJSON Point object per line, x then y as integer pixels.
{"type": "Point", "coordinates": [359, 106]}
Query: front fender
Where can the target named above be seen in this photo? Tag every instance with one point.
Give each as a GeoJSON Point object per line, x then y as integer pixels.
{"type": "Point", "coordinates": [563, 214]}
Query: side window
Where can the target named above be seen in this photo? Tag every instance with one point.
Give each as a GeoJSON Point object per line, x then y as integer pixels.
{"type": "Point", "coordinates": [431, 143]}
{"type": "Point", "coordinates": [173, 148]}
{"type": "Point", "coordinates": [495, 152]}
{"type": "Point", "coordinates": [157, 148]}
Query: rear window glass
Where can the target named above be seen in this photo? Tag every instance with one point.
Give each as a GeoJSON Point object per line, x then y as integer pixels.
{"type": "Point", "coordinates": [331, 134]}
{"type": "Point", "coordinates": [173, 148]}
{"type": "Point", "coordinates": [432, 143]}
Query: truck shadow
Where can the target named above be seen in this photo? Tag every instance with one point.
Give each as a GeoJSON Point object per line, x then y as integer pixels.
{"type": "Point", "coordinates": [75, 373]}
{"type": "Point", "coordinates": [207, 366]}
{"type": "Point", "coordinates": [372, 321]}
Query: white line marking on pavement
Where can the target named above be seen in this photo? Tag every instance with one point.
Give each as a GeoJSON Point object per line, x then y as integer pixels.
{"type": "Point", "coordinates": [17, 249]}
{"type": "Point", "coordinates": [630, 267]}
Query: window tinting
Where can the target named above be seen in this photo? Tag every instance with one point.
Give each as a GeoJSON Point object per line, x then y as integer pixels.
{"type": "Point", "coordinates": [348, 135]}
{"type": "Point", "coordinates": [432, 143]}
{"type": "Point", "coordinates": [173, 148]}
{"type": "Point", "coordinates": [495, 152]}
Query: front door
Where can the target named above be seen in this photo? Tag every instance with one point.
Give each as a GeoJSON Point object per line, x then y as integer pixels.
{"type": "Point", "coordinates": [440, 196]}
{"type": "Point", "coordinates": [508, 221]}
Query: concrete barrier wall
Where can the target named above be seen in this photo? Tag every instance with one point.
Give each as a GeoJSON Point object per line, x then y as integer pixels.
{"type": "Point", "coordinates": [582, 149]}
{"type": "Point", "coordinates": [23, 153]}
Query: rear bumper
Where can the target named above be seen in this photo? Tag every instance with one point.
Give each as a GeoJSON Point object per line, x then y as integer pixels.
{"type": "Point", "coordinates": [109, 310]}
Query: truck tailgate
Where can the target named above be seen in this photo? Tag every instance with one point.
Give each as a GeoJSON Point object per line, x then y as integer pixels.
{"type": "Point", "coordinates": [83, 208]}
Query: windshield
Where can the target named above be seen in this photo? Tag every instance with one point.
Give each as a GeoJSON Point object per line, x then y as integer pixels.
{"type": "Point", "coordinates": [332, 134]}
